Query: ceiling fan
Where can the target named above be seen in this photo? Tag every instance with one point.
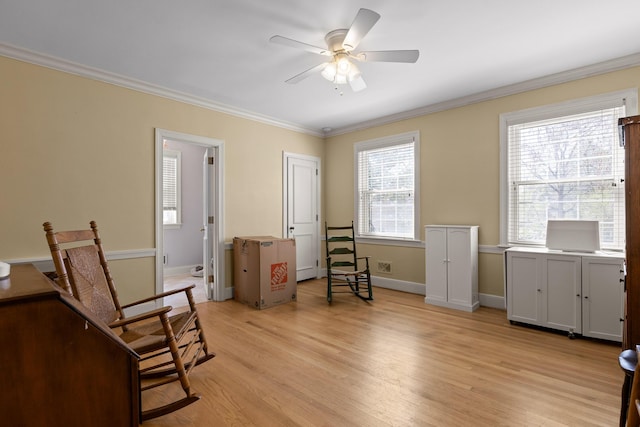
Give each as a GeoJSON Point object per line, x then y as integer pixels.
{"type": "Point", "coordinates": [341, 45]}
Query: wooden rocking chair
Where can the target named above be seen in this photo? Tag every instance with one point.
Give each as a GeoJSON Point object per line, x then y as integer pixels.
{"type": "Point", "coordinates": [342, 264]}
{"type": "Point", "coordinates": [169, 346]}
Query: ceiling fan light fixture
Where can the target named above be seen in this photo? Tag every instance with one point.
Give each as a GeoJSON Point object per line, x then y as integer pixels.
{"type": "Point", "coordinates": [341, 70]}
{"type": "Point", "coordinates": [341, 45]}
{"type": "Point", "coordinates": [354, 73]}
{"type": "Point", "coordinates": [329, 72]}
{"type": "Point", "coordinates": [340, 79]}
{"type": "Point", "coordinates": [344, 65]}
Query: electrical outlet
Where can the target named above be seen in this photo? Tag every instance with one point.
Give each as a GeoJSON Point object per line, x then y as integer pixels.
{"type": "Point", "coordinates": [384, 267]}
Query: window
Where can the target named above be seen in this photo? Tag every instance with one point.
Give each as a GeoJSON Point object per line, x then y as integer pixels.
{"type": "Point", "coordinates": [564, 162]}
{"type": "Point", "coordinates": [171, 187]}
{"type": "Point", "coordinates": [386, 187]}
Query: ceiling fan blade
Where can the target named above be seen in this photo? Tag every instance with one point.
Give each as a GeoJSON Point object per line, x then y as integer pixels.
{"type": "Point", "coordinates": [357, 84]}
{"type": "Point", "coordinates": [389, 56]}
{"type": "Point", "coordinates": [303, 75]}
{"type": "Point", "coordinates": [299, 45]}
{"type": "Point", "coordinates": [364, 21]}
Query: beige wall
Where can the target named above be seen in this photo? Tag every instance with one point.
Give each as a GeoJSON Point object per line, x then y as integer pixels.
{"type": "Point", "coordinates": [459, 171]}
{"type": "Point", "coordinates": [74, 149]}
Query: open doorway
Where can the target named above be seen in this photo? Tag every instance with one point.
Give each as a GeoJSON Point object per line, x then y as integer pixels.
{"type": "Point", "coordinates": [189, 219]}
{"type": "Point", "coordinates": [183, 199]}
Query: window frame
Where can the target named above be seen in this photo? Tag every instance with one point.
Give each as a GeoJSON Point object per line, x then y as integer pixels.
{"type": "Point", "coordinates": [177, 155]}
{"type": "Point", "coordinates": [389, 141]}
{"type": "Point", "coordinates": [627, 97]}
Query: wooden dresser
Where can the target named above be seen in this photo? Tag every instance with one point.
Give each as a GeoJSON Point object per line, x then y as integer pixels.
{"type": "Point", "coordinates": [630, 130]}
{"type": "Point", "coordinates": [60, 365]}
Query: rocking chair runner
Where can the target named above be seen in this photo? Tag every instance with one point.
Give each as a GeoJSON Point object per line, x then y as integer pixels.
{"type": "Point", "coordinates": [341, 252]}
{"type": "Point", "coordinates": [164, 344]}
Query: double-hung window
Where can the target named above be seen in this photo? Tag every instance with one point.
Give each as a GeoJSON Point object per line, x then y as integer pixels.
{"type": "Point", "coordinates": [564, 162]}
{"type": "Point", "coordinates": [386, 187]}
{"type": "Point", "coordinates": [171, 187]}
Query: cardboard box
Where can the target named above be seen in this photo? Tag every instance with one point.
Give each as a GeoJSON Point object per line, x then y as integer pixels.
{"type": "Point", "coordinates": [264, 270]}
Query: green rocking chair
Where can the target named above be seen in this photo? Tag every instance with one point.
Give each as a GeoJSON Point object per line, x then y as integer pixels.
{"type": "Point", "coordinates": [343, 263]}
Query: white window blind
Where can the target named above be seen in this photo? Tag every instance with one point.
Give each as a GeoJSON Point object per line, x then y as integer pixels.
{"type": "Point", "coordinates": [566, 167]}
{"type": "Point", "coordinates": [171, 187]}
{"type": "Point", "coordinates": [386, 187]}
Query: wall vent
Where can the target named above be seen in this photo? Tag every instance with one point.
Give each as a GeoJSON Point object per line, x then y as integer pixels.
{"type": "Point", "coordinates": [384, 267]}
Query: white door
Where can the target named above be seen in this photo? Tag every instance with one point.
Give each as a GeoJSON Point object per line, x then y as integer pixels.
{"type": "Point", "coordinates": [437, 264]}
{"type": "Point", "coordinates": [301, 213]}
{"type": "Point", "coordinates": [459, 271]}
{"type": "Point", "coordinates": [602, 298]}
{"type": "Point", "coordinates": [524, 287]}
{"type": "Point", "coordinates": [561, 292]}
{"type": "Point", "coordinates": [208, 246]}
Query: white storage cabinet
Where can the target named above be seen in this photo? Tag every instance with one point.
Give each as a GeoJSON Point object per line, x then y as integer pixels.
{"type": "Point", "coordinates": [573, 292]}
{"type": "Point", "coordinates": [603, 297]}
{"type": "Point", "coordinates": [452, 266]}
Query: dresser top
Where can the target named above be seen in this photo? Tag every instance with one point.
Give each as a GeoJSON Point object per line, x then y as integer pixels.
{"type": "Point", "coordinates": [25, 282]}
{"type": "Point", "coordinates": [547, 251]}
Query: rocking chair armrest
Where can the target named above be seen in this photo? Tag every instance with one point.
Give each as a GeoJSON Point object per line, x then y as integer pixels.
{"type": "Point", "coordinates": [143, 316]}
{"type": "Point", "coordinates": [161, 295]}
{"type": "Point", "coordinates": [366, 260]}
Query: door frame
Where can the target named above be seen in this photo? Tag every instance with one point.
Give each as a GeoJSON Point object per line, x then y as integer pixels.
{"type": "Point", "coordinates": [285, 197]}
{"type": "Point", "coordinates": [215, 199]}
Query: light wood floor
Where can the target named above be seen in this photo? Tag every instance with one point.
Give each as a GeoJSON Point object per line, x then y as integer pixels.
{"type": "Point", "coordinates": [392, 362]}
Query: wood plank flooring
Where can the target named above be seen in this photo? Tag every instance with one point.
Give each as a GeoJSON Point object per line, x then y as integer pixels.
{"type": "Point", "coordinates": [392, 362]}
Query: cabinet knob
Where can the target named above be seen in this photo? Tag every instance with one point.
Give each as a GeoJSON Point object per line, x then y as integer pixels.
{"type": "Point", "coordinates": [539, 290]}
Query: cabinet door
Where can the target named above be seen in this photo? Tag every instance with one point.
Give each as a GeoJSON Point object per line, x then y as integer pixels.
{"type": "Point", "coordinates": [436, 264]}
{"type": "Point", "coordinates": [459, 273]}
{"type": "Point", "coordinates": [523, 287]}
{"type": "Point", "coordinates": [561, 292]}
{"type": "Point", "coordinates": [603, 296]}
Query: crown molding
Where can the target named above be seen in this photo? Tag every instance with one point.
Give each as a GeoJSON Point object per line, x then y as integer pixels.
{"type": "Point", "coordinates": [617, 64]}
{"type": "Point", "coordinates": [70, 67]}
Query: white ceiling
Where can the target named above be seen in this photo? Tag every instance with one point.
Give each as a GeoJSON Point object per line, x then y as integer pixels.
{"type": "Point", "coordinates": [218, 51]}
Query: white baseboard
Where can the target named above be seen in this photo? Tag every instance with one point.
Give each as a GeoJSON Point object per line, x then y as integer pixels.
{"type": "Point", "coordinates": [486, 300]}
{"type": "Point", "coordinates": [398, 285]}
{"type": "Point", "coordinates": [493, 301]}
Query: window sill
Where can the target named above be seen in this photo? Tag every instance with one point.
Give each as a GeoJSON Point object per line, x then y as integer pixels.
{"type": "Point", "coordinates": [172, 226]}
{"type": "Point", "coordinates": [390, 242]}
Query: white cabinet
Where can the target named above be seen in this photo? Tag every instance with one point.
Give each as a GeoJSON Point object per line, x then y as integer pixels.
{"type": "Point", "coordinates": [544, 290]}
{"type": "Point", "coordinates": [523, 277]}
{"type": "Point", "coordinates": [572, 292]}
{"type": "Point", "coordinates": [603, 297]}
{"type": "Point", "coordinates": [452, 266]}
{"type": "Point", "coordinates": [560, 293]}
